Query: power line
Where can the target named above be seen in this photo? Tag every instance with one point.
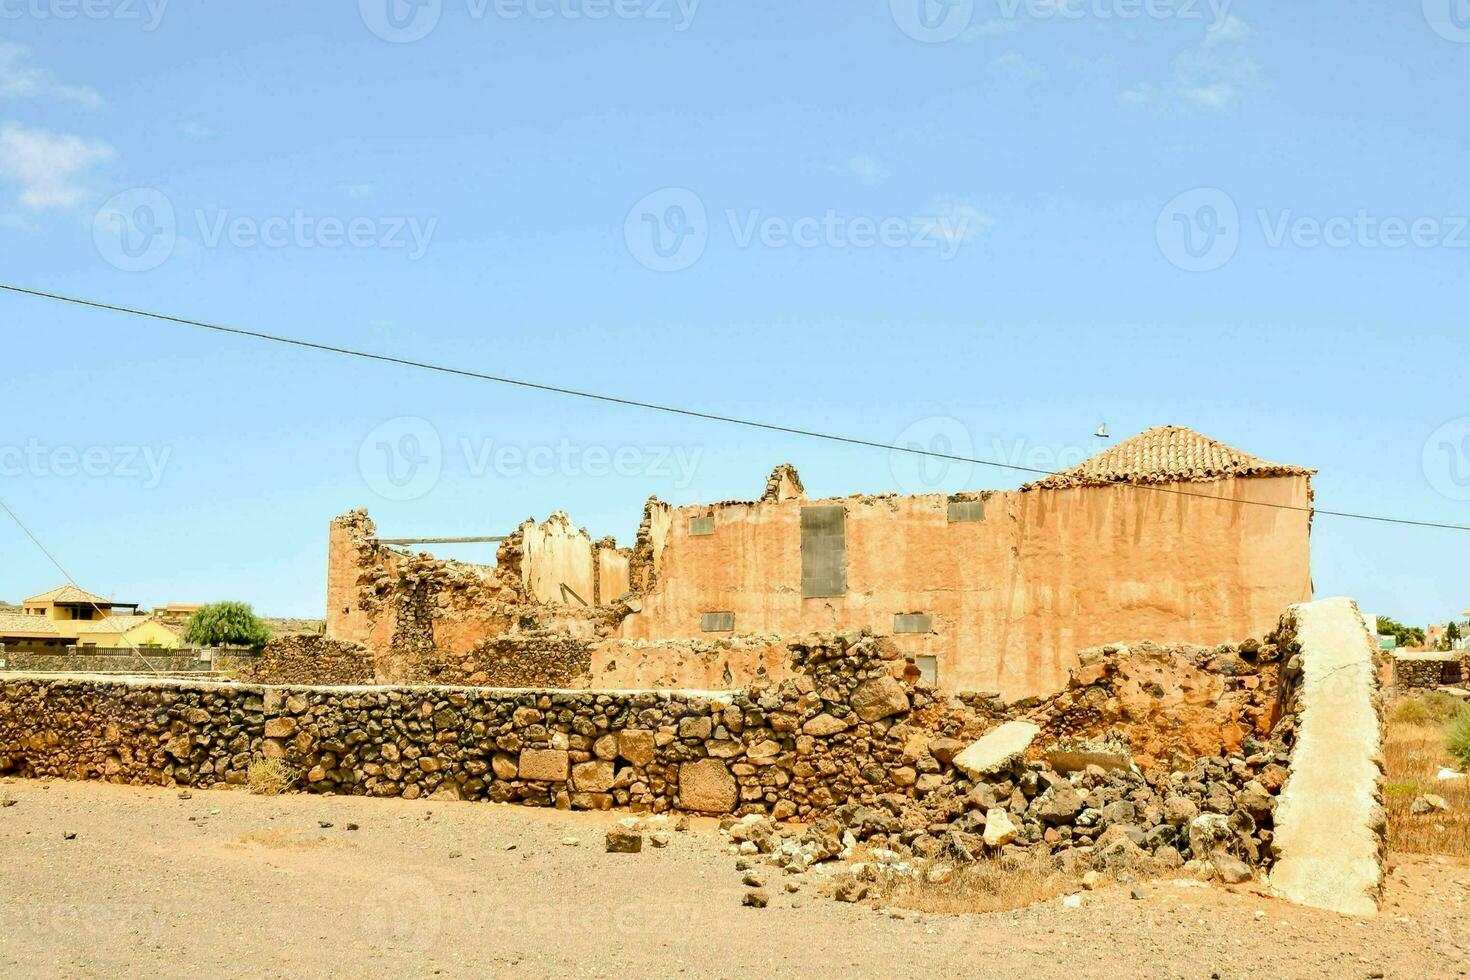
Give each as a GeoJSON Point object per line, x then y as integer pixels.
{"type": "Point", "coordinates": [674, 410]}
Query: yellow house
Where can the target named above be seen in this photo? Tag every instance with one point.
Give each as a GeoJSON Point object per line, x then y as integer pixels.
{"type": "Point", "coordinates": [68, 616]}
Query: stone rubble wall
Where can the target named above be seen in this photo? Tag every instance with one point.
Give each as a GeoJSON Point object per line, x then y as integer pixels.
{"type": "Point", "coordinates": [309, 658]}
{"type": "Point", "coordinates": [1427, 671]}
{"type": "Point", "coordinates": [794, 749]}
{"type": "Point", "coordinates": [161, 661]}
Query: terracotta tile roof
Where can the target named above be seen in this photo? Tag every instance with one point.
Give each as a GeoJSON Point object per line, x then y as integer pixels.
{"type": "Point", "coordinates": [111, 624]}
{"type": "Point", "coordinates": [69, 593]}
{"type": "Point", "coordinates": [1165, 454]}
{"type": "Point", "coordinates": [19, 624]}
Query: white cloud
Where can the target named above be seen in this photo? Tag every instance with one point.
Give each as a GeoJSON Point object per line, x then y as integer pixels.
{"type": "Point", "coordinates": [954, 222]}
{"type": "Point", "coordinates": [866, 168]}
{"type": "Point", "coordinates": [1209, 78]}
{"type": "Point", "coordinates": [360, 190]}
{"type": "Point", "coordinates": [50, 168]}
{"type": "Point", "coordinates": [20, 79]}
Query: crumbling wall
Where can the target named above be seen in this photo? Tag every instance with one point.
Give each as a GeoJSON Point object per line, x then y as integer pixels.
{"type": "Point", "coordinates": [556, 562]}
{"type": "Point", "coordinates": [309, 658]}
{"type": "Point", "coordinates": [1165, 705]}
{"type": "Point", "coordinates": [424, 617]}
{"type": "Point", "coordinates": [704, 664]}
{"type": "Point", "coordinates": [1014, 596]}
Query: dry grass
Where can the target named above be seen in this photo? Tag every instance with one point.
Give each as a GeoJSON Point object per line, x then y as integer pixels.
{"type": "Point", "coordinates": [270, 777]}
{"type": "Point", "coordinates": [986, 886]}
{"type": "Point", "coordinates": [1414, 751]}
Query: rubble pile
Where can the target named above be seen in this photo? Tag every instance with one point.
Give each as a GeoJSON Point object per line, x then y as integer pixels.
{"type": "Point", "coordinates": [1170, 704]}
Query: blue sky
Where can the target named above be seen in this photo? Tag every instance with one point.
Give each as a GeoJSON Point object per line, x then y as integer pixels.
{"type": "Point", "coordinates": [986, 226]}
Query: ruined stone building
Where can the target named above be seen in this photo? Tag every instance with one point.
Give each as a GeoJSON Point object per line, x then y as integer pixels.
{"type": "Point", "coordinates": [1169, 535]}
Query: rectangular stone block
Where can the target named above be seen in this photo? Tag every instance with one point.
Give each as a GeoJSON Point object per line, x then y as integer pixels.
{"type": "Point", "coordinates": [545, 765]}
{"type": "Point", "coordinates": [593, 777]}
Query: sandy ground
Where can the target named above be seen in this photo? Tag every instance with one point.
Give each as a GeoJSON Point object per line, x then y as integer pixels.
{"type": "Point", "coordinates": [225, 883]}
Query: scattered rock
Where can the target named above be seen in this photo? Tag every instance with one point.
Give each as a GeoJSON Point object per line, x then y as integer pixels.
{"type": "Point", "coordinates": [756, 899]}
{"type": "Point", "coordinates": [1429, 803]}
{"type": "Point", "coordinates": [624, 840]}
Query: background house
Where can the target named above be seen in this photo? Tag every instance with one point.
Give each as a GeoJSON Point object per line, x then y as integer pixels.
{"type": "Point", "coordinates": [68, 616]}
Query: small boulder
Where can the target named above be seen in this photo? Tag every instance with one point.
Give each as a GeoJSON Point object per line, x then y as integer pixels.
{"type": "Point", "coordinates": [623, 840]}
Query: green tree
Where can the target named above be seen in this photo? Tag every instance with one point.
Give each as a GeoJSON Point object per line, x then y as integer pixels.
{"type": "Point", "coordinates": [226, 624]}
{"type": "Point", "coordinates": [1404, 636]}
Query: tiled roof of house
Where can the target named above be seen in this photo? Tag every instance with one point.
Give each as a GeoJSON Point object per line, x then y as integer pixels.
{"type": "Point", "coordinates": [69, 593]}
{"type": "Point", "coordinates": [19, 624]}
{"type": "Point", "coordinates": [1165, 454]}
{"type": "Point", "coordinates": [112, 624]}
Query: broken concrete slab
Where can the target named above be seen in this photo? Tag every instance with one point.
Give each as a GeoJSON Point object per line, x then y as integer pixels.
{"type": "Point", "coordinates": [1330, 823]}
{"type": "Point", "coordinates": [1076, 755]}
{"type": "Point", "coordinates": [996, 749]}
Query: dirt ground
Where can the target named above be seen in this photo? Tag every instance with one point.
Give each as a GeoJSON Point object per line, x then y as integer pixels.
{"type": "Point", "coordinates": [225, 883]}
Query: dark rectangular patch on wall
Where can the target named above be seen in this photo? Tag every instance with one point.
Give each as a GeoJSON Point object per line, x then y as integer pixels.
{"type": "Point", "coordinates": [913, 623]}
{"type": "Point", "coordinates": [961, 509]}
{"type": "Point", "coordinates": [717, 622]}
{"type": "Point", "coordinates": [699, 526]}
{"type": "Point", "coordinates": [823, 551]}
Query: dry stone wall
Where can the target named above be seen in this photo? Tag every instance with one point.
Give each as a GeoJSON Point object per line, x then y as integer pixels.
{"type": "Point", "coordinates": [795, 749]}
{"type": "Point", "coordinates": [309, 658]}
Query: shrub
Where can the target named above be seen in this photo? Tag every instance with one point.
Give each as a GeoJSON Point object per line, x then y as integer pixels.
{"type": "Point", "coordinates": [270, 777]}
{"type": "Point", "coordinates": [1429, 708]}
{"type": "Point", "coordinates": [1457, 736]}
{"type": "Point", "coordinates": [226, 624]}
